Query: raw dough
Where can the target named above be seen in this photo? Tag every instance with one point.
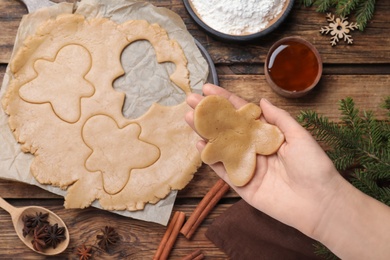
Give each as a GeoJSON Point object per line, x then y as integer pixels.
{"type": "Point", "coordinates": [68, 132]}
{"type": "Point", "coordinates": [109, 156]}
{"type": "Point", "coordinates": [234, 137]}
{"type": "Point", "coordinates": [65, 95]}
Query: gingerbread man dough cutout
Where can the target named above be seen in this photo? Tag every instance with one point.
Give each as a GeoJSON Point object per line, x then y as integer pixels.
{"type": "Point", "coordinates": [234, 137]}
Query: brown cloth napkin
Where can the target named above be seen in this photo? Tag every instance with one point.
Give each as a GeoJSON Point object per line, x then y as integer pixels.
{"type": "Point", "coordinates": [243, 232]}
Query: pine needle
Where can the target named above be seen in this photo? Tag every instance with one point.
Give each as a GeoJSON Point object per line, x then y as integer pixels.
{"type": "Point", "coordinates": [364, 13]}
{"type": "Point", "coordinates": [345, 7]}
{"type": "Point", "coordinates": [323, 5]}
{"type": "Point", "coordinates": [306, 2]}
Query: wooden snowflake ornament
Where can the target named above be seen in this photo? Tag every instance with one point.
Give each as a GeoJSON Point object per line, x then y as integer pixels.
{"type": "Point", "coordinates": [339, 28]}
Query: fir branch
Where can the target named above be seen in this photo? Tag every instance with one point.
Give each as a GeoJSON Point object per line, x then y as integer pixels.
{"type": "Point", "coordinates": [363, 181]}
{"type": "Point", "coordinates": [345, 7]}
{"type": "Point", "coordinates": [324, 252]}
{"type": "Point", "coordinates": [350, 115]}
{"type": "Point", "coordinates": [362, 9]}
{"type": "Point", "coordinates": [374, 181]}
{"type": "Point", "coordinates": [343, 159]}
{"type": "Point", "coordinates": [375, 140]}
{"type": "Point", "coordinates": [386, 104]}
{"type": "Point", "coordinates": [364, 13]}
{"type": "Point", "coordinates": [323, 5]}
{"type": "Point", "coordinates": [340, 138]}
{"type": "Point", "coordinates": [306, 2]}
{"type": "Point", "coordinates": [385, 195]}
{"type": "Point", "coordinates": [332, 134]}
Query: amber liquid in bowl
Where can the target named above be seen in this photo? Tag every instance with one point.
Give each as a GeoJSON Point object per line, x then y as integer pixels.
{"type": "Point", "coordinates": [293, 66]}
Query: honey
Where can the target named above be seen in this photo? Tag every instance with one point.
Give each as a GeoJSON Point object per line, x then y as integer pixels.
{"type": "Point", "coordinates": [293, 66]}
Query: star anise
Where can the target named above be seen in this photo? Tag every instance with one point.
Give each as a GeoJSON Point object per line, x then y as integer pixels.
{"type": "Point", "coordinates": [108, 238]}
{"type": "Point", "coordinates": [54, 235]}
{"type": "Point", "coordinates": [31, 222]}
{"type": "Point", "coordinates": [38, 240]}
{"type": "Point", "coordinates": [27, 230]}
{"type": "Point", "coordinates": [84, 252]}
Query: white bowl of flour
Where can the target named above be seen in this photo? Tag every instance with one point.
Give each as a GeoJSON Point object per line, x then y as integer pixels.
{"type": "Point", "coordinates": [243, 20]}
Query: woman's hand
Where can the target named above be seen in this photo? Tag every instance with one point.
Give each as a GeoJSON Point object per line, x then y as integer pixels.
{"type": "Point", "coordinates": [298, 179]}
{"type": "Point", "coordinates": [300, 187]}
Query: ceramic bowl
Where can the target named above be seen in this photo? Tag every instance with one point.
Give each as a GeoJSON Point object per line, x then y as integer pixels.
{"type": "Point", "coordinates": [293, 67]}
{"type": "Point", "coordinates": [272, 25]}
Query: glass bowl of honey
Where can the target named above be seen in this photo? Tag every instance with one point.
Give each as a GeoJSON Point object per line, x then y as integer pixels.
{"type": "Point", "coordinates": [293, 67]}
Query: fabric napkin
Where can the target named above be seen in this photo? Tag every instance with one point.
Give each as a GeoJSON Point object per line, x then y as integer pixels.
{"type": "Point", "coordinates": [243, 232]}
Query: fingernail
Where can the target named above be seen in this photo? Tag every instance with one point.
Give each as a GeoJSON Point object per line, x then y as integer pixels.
{"type": "Point", "coordinates": [267, 101]}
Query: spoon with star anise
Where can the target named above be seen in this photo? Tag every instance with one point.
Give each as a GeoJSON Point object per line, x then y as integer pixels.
{"type": "Point", "coordinates": [17, 215]}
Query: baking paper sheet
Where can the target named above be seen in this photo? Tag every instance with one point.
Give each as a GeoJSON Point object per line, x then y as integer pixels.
{"type": "Point", "coordinates": [149, 82]}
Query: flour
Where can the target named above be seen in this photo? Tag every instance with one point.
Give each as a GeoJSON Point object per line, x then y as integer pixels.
{"type": "Point", "coordinates": [238, 17]}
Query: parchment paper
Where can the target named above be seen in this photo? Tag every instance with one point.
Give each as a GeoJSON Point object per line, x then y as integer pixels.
{"type": "Point", "coordinates": [149, 80]}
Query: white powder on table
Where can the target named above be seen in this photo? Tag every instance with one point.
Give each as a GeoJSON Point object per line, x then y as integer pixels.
{"type": "Point", "coordinates": [237, 17]}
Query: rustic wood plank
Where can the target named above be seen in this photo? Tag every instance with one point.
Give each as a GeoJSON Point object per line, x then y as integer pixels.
{"type": "Point", "coordinates": [139, 239]}
{"type": "Point", "coordinates": [17, 190]}
{"type": "Point", "coordinates": [301, 21]}
{"type": "Point", "coordinates": [368, 92]}
{"type": "Point", "coordinates": [328, 69]}
{"type": "Point", "coordinates": [11, 13]}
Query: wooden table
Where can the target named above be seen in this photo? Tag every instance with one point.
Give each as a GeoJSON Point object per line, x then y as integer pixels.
{"type": "Point", "coordinates": [361, 71]}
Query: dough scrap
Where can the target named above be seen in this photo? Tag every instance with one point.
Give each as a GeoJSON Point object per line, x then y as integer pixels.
{"type": "Point", "coordinates": [65, 152]}
{"type": "Point", "coordinates": [234, 137]}
{"type": "Point", "coordinates": [166, 50]}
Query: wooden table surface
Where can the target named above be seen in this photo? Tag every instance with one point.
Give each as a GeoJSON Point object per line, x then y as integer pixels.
{"type": "Point", "coordinates": [361, 71]}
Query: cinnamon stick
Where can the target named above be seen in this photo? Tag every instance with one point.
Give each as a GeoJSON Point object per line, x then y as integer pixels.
{"type": "Point", "coordinates": [170, 236]}
{"type": "Point", "coordinates": [199, 257]}
{"type": "Point", "coordinates": [204, 207]}
{"type": "Point", "coordinates": [196, 255]}
{"type": "Point", "coordinates": [199, 209]}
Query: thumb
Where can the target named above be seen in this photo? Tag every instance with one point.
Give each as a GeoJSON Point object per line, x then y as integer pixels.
{"type": "Point", "coordinates": [218, 167]}
{"type": "Point", "coordinates": [279, 117]}
{"type": "Point", "coordinates": [200, 145]}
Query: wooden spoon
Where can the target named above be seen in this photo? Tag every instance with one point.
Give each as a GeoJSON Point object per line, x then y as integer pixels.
{"type": "Point", "coordinates": [17, 215]}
